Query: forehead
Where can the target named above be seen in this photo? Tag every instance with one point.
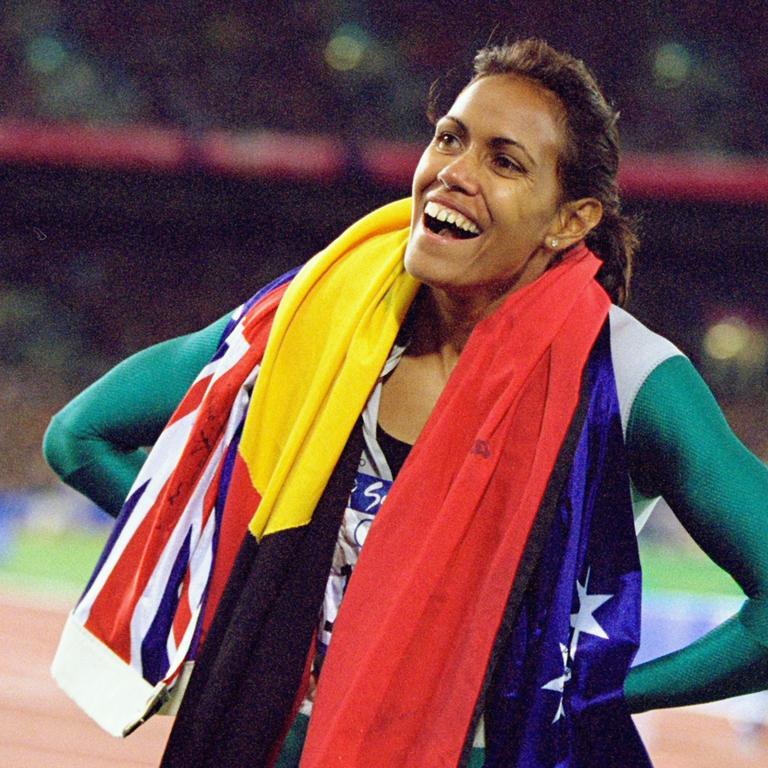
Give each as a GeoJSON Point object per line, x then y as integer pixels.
{"type": "Point", "coordinates": [513, 107]}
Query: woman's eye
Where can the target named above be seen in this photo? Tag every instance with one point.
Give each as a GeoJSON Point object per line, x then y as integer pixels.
{"type": "Point", "coordinates": [507, 164]}
{"type": "Point", "coordinates": [445, 140]}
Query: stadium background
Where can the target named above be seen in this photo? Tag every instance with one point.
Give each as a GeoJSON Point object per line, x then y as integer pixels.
{"type": "Point", "coordinates": [159, 162]}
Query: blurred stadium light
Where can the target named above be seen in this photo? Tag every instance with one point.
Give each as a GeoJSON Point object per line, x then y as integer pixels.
{"type": "Point", "coordinates": [346, 48]}
{"type": "Point", "coordinates": [672, 65]}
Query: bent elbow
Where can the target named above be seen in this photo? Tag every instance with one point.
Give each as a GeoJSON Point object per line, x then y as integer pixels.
{"type": "Point", "coordinates": [60, 444]}
{"type": "Point", "coordinates": [754, 617]}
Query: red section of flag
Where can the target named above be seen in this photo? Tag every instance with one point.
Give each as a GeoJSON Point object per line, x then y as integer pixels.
{"type": "Point", "coordinates": [404, 670]}
{"type": "Point", "coordinates": [183, 613]}
{"type": "Point", "coordinates": [242, 502]}
{"type": "Point", "coordinates": [191, 400]}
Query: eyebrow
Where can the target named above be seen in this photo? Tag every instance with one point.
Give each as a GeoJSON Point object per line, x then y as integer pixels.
{"type": "Point", "coordinates": [497, 142]}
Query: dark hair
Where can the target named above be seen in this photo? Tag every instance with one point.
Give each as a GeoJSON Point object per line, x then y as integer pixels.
{"type": "Point", "coordinates": [589, 164]}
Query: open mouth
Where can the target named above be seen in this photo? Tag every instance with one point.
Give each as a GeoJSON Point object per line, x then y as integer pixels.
{"type": "Point", "coordinates": [448, 223]}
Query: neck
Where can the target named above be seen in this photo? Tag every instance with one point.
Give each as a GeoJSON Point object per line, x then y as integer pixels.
{"type": "Point", "coordinates": [444, 320]}
{"type": "Point", "coordinates": [443, 323]}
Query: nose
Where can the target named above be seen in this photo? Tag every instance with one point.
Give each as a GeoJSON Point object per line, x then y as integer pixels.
{"type": "Point", "coordinates": [460, 175]}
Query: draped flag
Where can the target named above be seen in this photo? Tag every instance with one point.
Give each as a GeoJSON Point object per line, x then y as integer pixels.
{"type": "Point", "coordinates": [517, 601]}
{"type": "Point", "coordinates": [556, 699]}
{"type": "Point", "coordinates": [139, 619]}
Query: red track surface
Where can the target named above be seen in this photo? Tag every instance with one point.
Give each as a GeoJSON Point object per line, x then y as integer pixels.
{"type": "Point", "coordinates": [41, 728]}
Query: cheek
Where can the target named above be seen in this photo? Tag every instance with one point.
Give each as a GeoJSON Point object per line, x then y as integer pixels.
{"type": "Point", "coordinates": [425, 173]}
{"type": "Point", "coordinates": [528, 211]}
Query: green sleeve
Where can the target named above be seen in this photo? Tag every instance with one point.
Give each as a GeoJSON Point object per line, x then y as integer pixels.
{"type": "Point", "coordinates": [95, 443]}
{"type": "Point", "coordinates": [681, 447]}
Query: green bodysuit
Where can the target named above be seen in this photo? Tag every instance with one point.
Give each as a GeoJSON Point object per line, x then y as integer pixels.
{"type": "Point", "coordinates": [679, 446]}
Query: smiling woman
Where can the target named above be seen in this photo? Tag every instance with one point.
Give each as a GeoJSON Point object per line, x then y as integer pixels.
{"type": "Point", "coordinates": [452, 386]}
{"type": "Point", "coordinates": [493, 162]}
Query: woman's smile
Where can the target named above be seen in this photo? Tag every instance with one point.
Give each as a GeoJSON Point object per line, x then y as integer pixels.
{"type": "Point", "coordinates": [447, 221]}
{"type": "Point", "coordinates": [486, 191]}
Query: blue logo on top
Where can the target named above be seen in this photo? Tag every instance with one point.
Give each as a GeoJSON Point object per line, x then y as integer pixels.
{"type": "Point", "coordinates": [368, 493]}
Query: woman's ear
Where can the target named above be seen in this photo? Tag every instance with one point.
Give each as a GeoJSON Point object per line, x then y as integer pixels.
{"type": "Point", "coordinates": [575, 220]}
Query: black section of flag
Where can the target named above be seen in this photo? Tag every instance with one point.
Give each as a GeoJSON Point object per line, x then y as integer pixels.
{"type": "Point", "coordinates": [242, 692]}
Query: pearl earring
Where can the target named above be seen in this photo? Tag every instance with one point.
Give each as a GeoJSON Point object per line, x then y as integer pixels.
{"type": "Point", "coordinates": [555, 242]}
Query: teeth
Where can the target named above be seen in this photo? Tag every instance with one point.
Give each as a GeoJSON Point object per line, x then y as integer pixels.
{"type": "Point", "coordinates": [451, 217]}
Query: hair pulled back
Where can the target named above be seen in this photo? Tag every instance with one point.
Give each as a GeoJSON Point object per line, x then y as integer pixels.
{"type": "Point", "coordinates": [589, 164]}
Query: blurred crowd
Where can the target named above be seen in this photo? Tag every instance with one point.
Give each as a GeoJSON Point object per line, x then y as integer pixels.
{"type": "Point", "coordinates": [86, 287]}
{"type": "Point", "coordinates": [685, 78]}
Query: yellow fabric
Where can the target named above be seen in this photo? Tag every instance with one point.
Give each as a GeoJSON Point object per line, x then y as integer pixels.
{"type": "Point", "coordinates": [329, 341]}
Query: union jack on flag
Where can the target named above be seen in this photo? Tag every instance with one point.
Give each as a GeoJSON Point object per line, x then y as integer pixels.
{"type": "Point", "coordinates": [127, 646]}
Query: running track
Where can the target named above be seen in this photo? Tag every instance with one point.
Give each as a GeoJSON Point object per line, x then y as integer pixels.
{"type": "Point", "coordinates": [41, 728]}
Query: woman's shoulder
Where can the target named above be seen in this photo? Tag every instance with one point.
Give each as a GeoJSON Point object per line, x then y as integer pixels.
{"type": "Point", "coordinates": [636, 351]}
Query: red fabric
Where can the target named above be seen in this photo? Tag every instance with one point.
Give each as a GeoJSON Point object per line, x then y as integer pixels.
{"type": "Point", "coordinates": [134, 569]}
{"type": "Point", "coordinates": [242, 498]}
{"type": "Point", "coordinates": [414, 636]}
{"type": "Point", "coordinates": [191, 400]}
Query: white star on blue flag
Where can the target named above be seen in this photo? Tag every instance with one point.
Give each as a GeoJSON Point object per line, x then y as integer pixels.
{"type": "Point", "coordinates": [558, 683]}
{"type": "Point", "coordinates": [584, 621]}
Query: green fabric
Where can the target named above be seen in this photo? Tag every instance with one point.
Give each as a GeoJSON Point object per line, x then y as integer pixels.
{"type": "Point", "coordinates": [294, 743]}
{"type": "Point", "coordinates": [679, 446]}
{"type": "Point", "coordinates": [95, 443]}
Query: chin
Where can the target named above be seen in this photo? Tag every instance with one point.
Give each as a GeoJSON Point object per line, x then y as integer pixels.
{"type": "Point", "coordinates": [434, 275]}
{"type": "Point", "coordinates": [422, 266]}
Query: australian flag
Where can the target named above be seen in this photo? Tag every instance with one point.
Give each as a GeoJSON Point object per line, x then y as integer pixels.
{"type": "Point", "coordinates": [556, 697]}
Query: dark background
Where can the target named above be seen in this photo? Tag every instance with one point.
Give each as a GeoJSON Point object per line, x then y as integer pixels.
{"type": "Point", "coordinates": [97, 263]}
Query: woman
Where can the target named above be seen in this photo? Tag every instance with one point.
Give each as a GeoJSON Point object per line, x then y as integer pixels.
{"type": "Point", "coordinates": [495, 613]}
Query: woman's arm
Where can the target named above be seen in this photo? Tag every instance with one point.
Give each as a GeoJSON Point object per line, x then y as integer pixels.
{"type": "Point", "coordinates": [681, 447]}
{"type": "Point", "coordinates": [95, 442]}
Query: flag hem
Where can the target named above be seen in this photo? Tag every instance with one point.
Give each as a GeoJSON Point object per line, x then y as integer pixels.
{"type": "Point", "coordinates": [101, 683]}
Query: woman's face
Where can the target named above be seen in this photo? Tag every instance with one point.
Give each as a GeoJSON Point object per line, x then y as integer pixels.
{"type": "Point", "coordinates": [485, 192]}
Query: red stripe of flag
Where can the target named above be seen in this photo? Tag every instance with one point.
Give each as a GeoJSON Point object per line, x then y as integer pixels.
{"type": "Point", "coordinates": [133, 570]}
{"type": "Point", "coordinates": [242, 501]}
{"type": "Point", "coordinates": [183, 613]}
{"type": "Point", "coordinates": [191, 400]}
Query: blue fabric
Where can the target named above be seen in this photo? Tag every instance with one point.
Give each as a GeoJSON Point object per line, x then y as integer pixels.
{"type": "Point", "coordinates": [154, 646]}
{"type": "Point", "coordinates": [556, 700]}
